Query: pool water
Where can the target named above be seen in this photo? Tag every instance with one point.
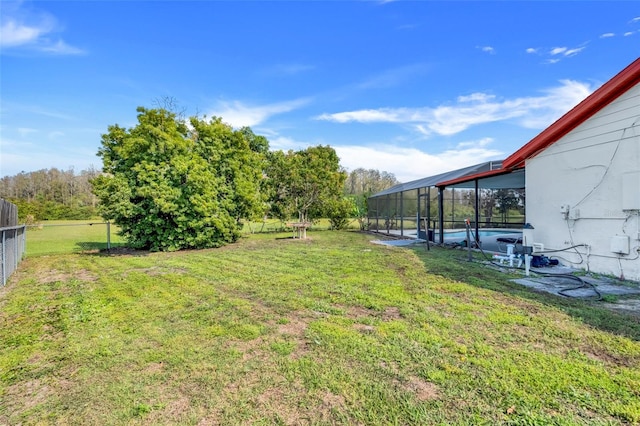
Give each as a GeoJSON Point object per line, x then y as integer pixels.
{"type": "Point", "coordinates": [483, 233]}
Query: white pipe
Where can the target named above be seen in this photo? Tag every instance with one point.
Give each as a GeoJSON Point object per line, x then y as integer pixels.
{"type": "Point", "coordinates": [510, 256]}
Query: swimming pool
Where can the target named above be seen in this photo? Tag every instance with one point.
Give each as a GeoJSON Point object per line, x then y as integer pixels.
{"type": "Point", "coordinates": [482, 232]}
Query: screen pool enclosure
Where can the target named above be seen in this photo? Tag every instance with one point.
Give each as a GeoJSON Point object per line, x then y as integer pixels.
{"type": "Point", "coordinates": [427, 209]}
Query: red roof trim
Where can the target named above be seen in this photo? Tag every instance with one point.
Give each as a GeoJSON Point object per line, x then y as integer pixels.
{"type": "Point", "coordinates": [623, 81]}
{"type": "Point", "coordinates": [469, 178]}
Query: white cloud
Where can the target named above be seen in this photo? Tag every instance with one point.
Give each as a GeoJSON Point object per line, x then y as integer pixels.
{"type": "Point", "coordinates": [556, 54]}
{"type": "Point", "coordinates": [565, 51]}
{"type": "Point", "coordinates": [573, 52]}
{"type": "Point", "coordinates": [13, 33]}
{"type": "Point", "coordinates": [476, 97]}
{"type": "Point", "coordinates": [282, 143]}
{"type": "Point", "coordinates": [386, 115]}
{"type": "Point", "coordinates": [475, 109]}
{"type": "Point", "coordinates": [239, 114]}
{"type": "Point", "coordinates": [607, 35]}
{"type": "Point", "coordinates": [629, 33]}
{"type": "Point", "coordinates": [32, 30]}
{"type": "Point", "coordinates": [487, 49]}
{"type": "Point", "coordinates": [474, 144]}
{"type": "Point", "coordinates": [409, 164]}
{"type": "Point", "coordinates": [555, 102]}
{"type": "Point", "coordinates": [634, 20]}
{"type": "Point", "coordinates": [61, 48]}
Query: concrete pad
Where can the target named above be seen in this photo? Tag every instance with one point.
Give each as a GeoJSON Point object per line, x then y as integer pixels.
{"type": "Point", "coordinates": [628, 306]}
{"type": "Point", "coordinates": [558, 284]}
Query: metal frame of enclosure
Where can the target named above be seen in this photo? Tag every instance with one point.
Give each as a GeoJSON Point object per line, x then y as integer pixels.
{"type": "Point", "coordinates": [426, 207]}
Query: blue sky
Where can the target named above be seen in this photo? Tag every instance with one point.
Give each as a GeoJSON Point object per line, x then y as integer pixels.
{"type": "Point", "coordinates": [412, 88]}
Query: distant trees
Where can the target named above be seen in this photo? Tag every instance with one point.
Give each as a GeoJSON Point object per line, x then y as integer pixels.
{"type": "Point", "coordinates": [50, 194]}
{"type": "Point", "coordinates": [360, 185]}
{"type": "Point", "coordinates": [508, 202]}
{"type": "Point", "coordinates": [368, 181]}
{"type": "Point", "coordinates": [170, 186]}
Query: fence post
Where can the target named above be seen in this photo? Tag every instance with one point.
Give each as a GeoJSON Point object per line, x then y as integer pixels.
{"type": "Point", "coordinates": [4, 265]}
{"type": "Point", "coordinates": [15, 249]}
{"type": "Point", "coordinates": [108, 236]}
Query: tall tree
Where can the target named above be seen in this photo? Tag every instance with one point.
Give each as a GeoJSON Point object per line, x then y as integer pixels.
{"type": "Point", "coordinates": [171, 186]}
{"type": "Point", "coordinates": [304, 183]}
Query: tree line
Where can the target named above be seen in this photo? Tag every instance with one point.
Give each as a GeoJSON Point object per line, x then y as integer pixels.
{"type": "Point", "coordinates": [50, 194]}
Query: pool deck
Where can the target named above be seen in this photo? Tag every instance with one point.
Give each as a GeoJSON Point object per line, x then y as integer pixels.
{"type": "Point", "coordinates": [489, 243]}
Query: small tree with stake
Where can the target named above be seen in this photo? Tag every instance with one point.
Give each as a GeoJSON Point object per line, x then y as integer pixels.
{"type": "Point", "coordinates": [305, 183]}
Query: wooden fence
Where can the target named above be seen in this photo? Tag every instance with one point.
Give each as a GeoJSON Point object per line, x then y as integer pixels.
{"type": "Point", "coordinates": [8, 214]}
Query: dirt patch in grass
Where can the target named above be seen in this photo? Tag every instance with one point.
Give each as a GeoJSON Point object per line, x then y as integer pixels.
{"type": "Point", "coordinates": [54, 275]}
{"type": "Point", "coordinates": [359, 312]}
{"type": "Point", "coordinates": [26, 395]}
{"type": "Point", "coordinates": [273, 403]}
{"type": "Point", "coordinates": [294, 330]}
{"type": "Point", "coordinates": [295, 327]}
{"type": "Point", "coordinates": [154, 368]}
{"type": "Point", "coordinates": [365, 329]}
{"type": "Point", "coordinates": [155, 271]}
{"type": "Point", "coordinates": [175, 411]}
{"type": "Point", "coordinates": [608, 358]}
{"type": "Point", "coordinates": [280, 405]}
{"type": "Point", "coordinates": [391, 313]}
{"type": "Point", "coordinates": [423, 390]}
{"type": "Point", "coordinates": [330, 402]}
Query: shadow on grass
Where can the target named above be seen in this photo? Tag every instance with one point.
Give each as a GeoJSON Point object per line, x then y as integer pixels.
{"type": "Point", "coordinates": [453, 264]}
{"type": "Point", "coordinates": [100, 248]}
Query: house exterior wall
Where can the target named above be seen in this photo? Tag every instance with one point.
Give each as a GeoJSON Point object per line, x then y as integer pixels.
{"type": "Point", "coordinates": [584, 190]}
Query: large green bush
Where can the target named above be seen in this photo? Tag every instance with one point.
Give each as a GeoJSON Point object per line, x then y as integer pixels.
{"type": "Point", "coordinates": [170, 185]}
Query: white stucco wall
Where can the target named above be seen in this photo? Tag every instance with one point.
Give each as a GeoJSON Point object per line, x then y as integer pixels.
{"type": "Point", "coordinates": [595, 170]}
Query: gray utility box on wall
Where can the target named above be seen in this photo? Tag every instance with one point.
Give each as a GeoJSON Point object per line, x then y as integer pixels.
{"type": "Point", "coordinates": [631, 191]}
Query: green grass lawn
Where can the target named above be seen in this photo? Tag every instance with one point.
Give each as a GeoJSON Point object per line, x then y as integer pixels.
{"type": "Point", "coordinates": [84, 236]}
{"type": "Point", "coordinates": [68, 236]}
{"type": "Point", "coordinates": [329, 330]}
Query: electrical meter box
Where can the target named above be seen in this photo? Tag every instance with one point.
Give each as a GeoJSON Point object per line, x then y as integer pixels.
{"type": "Point", "coordinates": [620, 244]}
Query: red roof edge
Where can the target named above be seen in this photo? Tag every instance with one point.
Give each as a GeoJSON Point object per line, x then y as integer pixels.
{"type": "Point", "coordinates": [479, 175]}
{"type": "Point", "coordinates": [620, 83]}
